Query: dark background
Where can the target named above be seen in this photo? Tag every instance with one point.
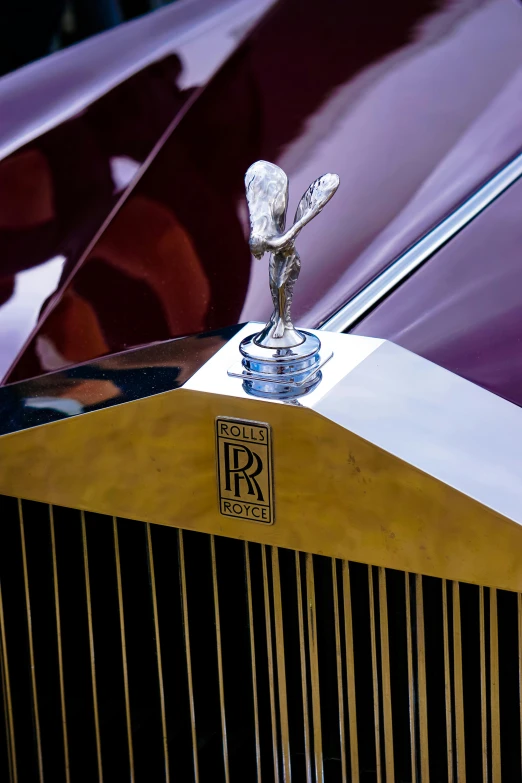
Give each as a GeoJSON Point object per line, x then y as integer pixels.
{"type": "Point", "coordinates": [30, 29]}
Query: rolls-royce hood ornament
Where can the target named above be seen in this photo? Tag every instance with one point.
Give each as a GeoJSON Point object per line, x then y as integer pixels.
{"type": "Point", "coordinates": [281, 361]}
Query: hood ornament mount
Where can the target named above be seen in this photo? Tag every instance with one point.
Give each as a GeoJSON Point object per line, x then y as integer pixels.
{"type": "Point", "coordinates": [280, 361]}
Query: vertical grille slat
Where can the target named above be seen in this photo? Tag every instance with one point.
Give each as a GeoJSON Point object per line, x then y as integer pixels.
{"type": "Point", "coordinates": [314, 670]}
{"type": "Point", "coordinates": [91, 649]}
{"type": "Point", "coordinates": [412, 693]}
{"type": "Point", "coordinates": [270, 660]}
{"type": "Point", "coordinates": [519, 627]}
{"type": "Point", "coordinates": [125, 671]}
{"type": "Point", "coordinates": [67, 769]}
{"type": "Point", "coordinates": [375, 678]}
{"type": "Point", "coordinates": [186, 629]}
{"type": "Point", "coordinates": [152, 576]}
{"type": "Point", "coordinates": [483, 691]}
{"type": "Point", "coordinates": [304, 677]}
{"type": "Point", "coordinates": [281, 666]}
{"type": "Point", "coordinates": [421, 681]}
{"type": "Point", "coordinates": [350, 673]}
{"type": "Point", "coordinates": [509, 697]}
{"type": "Point", "coordinates": [34, 693]}
{"type": "Point", "coordinates": [339, 667]}
{"type": "Point", "coordinates": [174, 632]}
{"type": "Point", "coordinates": [131, 651]}
{"type": "Point", "coordinates": [23, 747]}
{"type": "Point", "coordinates": [494, 687]}
{"type": "Point", "coordinates": [471, 679]}
{"type": "Point", "coordinates": [386, 681]}
{"type": "Point", "coordinates": [6, 693]}
{"type": "Point", "coordinates": [447, 681]}
{"type": "Point", "coordinates": [219, 661]}
{"type": "Point", "coordinates": [76, 662]}
{"type": "Point", "coordinates": [459, 697]}
{"type": "Point", "coordinates": [253, 660]}
{"type": "Point", "coordinates": [109, 655]}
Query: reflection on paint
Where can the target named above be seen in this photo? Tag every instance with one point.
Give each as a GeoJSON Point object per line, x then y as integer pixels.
{"type": "Point", "coordinates": [32, 287]}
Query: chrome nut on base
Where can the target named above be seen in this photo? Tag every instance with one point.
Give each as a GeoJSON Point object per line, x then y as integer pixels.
{"type": "Point", "coordinates": [281, 361]}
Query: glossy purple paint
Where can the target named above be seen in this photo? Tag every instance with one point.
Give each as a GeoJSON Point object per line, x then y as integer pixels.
{"type": "Point", "coordinates": [463, 308]}
{"type": "Point", "coordinates": [44, 94]}
{"type": "Point", "coordinates": [87, 118]}
{"type": "Point", "coordinates": [411, 103]}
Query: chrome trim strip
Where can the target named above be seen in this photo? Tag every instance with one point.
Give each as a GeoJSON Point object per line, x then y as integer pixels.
{"type": "Point", "coordinates": [422, 250]}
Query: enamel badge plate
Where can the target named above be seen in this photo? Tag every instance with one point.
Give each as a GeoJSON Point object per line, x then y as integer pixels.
{"type": "Point", "coordinates": [244, 470]}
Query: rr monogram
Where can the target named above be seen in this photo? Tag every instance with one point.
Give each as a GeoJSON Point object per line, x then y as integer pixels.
{"type": "Point", "coordinates": [240, 472]}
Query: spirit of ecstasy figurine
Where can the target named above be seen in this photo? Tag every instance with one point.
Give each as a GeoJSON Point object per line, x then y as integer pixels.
{"type": "Point", "coordinates": [281, 361]}
{"type": "Point", "coordinates": [267, 197]}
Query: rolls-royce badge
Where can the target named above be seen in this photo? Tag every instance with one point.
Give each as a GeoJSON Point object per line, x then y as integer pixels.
{"type": "Point", "coordinates": [244, 465]}
{"type": "Point", "coordinates": [281, 361]}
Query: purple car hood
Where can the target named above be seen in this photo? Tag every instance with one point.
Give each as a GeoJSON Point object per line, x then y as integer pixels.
{"type": "Point", "coordinates": [413, 107]}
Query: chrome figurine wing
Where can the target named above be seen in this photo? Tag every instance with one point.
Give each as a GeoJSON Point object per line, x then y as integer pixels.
{"type": "Point", "coordinates": [267, 197]}
{"type": "Point", "coordinates": [318, 194]}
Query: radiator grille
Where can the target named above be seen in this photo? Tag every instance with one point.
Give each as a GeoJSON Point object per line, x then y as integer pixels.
{"type": "Point", "coordinates": [139, 652]}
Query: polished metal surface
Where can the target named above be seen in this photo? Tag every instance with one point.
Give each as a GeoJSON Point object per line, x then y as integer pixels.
{"type": "Point", "coordinates": [112, 380]}
{"type": "Point", "coordinates": [427, 416]}
{"type": "Point", "coordinates": [280, 361]}
{"type": "Point", "coordinates": [398, 444]}
{"type": "Point", "coordinates": [280, 373]}
{"type": "Point", "coordinates": [375, 291]}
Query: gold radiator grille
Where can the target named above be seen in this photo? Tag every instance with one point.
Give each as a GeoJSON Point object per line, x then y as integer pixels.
{"type": "Point", "coordinates": [139, 652]}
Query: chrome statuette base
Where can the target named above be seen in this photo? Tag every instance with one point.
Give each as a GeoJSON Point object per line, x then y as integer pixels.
{"type": "Point", "coordinates": [280, 373]}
